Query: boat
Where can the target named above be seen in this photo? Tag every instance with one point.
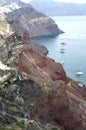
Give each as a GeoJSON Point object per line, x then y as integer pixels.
{"type": "Point", "coordinates": [63, 43]}
{"type": "Point", "coordinates": [79, 73]}
{"type": "Point", "coordinates": [62, 47]}
{"type": "Point", "coordinates": [61, 62]}
{"type": "Point", "coordinates": [62, 51]}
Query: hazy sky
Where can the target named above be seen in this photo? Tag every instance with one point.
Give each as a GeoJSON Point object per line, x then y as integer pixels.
{"type": "Point", "coordinates": [75, 1]}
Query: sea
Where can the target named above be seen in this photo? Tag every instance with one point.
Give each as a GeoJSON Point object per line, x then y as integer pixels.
{"type": "Point", "coordinates": [74, 49]}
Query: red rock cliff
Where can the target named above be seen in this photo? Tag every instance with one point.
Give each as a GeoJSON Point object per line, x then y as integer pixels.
{"type": "Point", "coordinates": [39, 67]}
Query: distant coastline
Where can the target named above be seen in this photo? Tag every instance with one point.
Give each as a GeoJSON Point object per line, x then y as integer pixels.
{"type": "Point", "coordinates": [53, 8]}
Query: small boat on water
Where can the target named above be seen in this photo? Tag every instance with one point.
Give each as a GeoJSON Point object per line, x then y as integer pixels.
{"type": "Point", "coordinates": [61, 62]}
{"type": "Point", "coordinates": [62, 51]}
{"type": "Point", "coordinates": [62, 47]}
{"type": "Point", "coordinates": [79, 73]}
{"type": "Point", "coordinates": [63, 43]}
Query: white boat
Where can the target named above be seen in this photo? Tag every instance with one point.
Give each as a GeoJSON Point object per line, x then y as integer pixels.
{"type": "Point", "coordinates": [61, 62]}
{"type": "Point", "coordinates": [79, 73]}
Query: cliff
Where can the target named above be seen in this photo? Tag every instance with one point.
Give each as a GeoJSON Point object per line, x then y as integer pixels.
{"type": "Point", "coordinates": [22, 17]}
{"type": "Point", "coordinates": [17, 92]}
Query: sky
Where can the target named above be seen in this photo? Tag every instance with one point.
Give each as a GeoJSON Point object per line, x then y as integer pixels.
{"type": "Point", "coordinates": [75, 1]}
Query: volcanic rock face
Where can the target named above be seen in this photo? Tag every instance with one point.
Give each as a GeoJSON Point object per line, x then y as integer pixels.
{"type": "Point", "coordinates": [39, 67]}
{"type": "Point", "coordinates": [66, 105]}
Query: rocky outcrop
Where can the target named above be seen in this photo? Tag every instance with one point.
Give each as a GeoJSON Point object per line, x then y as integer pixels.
{"type": "Point", "coordinates": [65, 104]}
{"type": "Point", "coordinates": [26, 18]}
{"type": "Point", "coordinates": [39, 67]}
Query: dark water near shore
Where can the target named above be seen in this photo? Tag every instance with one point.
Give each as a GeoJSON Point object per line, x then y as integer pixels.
{"type": "Point", "coordinates": [74, 55]}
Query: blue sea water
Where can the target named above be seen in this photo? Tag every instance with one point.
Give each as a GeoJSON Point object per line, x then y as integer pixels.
{"type": "Point", "coordinates": [74, 55]}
